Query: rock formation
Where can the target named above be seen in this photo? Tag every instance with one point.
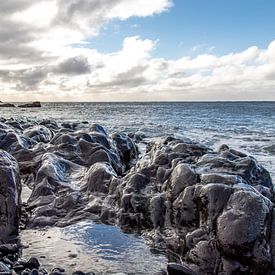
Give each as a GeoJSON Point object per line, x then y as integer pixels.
{"type": "Point", "coordinates": [35, 104]}
{"type": "Point", "coordinates": [212, 211]}
{"type": "Point", "coordinates": [8, 105]}
{"type": "Point", "coordinates": [10, 191]}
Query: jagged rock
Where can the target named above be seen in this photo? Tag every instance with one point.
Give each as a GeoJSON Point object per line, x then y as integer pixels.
{"type": "Point", "coordinates": [177, 269]}
{"type": "Point", "coordinates": [218, 204]}
{"type": "Point", "coordinates": [10, 189]}
{"type": "Point", "coordinates": [98, 178]}
{"type": "Point", "coordinates": [213, 210]}
{"type": "Point", "coordinates": [181, 177]}
{"type": "Point", "coordinates": [126, 147]}
{"type": "Point", "coordinates": [38, 133]}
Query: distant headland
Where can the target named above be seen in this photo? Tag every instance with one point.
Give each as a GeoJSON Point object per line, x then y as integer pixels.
{"type": "Point", "coordinates": [35, 104]}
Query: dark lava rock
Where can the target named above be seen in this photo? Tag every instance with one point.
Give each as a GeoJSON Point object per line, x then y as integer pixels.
{"type": "Point", "coordinates": [39, 133]}
{"type": "Point", "coordinates": [3, 268]}
{"type": "Point", "coordinates": [126, 147]}
{"type": "Point", "coordinates": [7, 249]}
{"type": "Point", "coordinates": [213, 210]}
{"type": "Point", "coordinates": [78, 272]}
{"type": "Point", "coordinates": [35, 104]}
{"type": "Point", "coordinates": [32, 263]}
{"type": "Point", "coordinates": [10, 190]}
{"type": "Point", "coordinates": [18, 267]}
{"type": "Point", "coordinates": [177, 269]}
{"type": "Point", "coordinates": [8, 105]}
{"type": "Point", "coordinates": [34, 272]}
{"type": "Point", "coordinates": [57, 271]}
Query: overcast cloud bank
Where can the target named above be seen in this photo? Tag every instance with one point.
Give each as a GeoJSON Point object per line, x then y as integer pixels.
{"type": "Point", "coordinates": [45, 55]}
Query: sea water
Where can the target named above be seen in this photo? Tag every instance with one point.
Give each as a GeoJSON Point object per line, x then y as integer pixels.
{"type": "Point", "coordinates": [247, 126]}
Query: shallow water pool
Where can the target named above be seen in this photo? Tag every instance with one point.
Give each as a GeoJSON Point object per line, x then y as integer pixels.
{"type": "Point", "coordinates": [89, 246]}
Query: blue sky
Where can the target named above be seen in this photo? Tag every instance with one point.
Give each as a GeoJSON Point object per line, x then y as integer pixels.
{"type": "Point", "coordinates": [217, 26]}
{"type": "Point", "coordinates": [140, 50]}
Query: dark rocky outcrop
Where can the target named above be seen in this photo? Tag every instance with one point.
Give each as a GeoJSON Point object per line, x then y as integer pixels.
{"type": "Point", "coordinates": [8, 105]}
{"type": "Point", "coordinates": [10, 190]}
{"type": "Point", "coordinates": [212, 211]}
{"type": "Point", "coordinates": [35, 104]}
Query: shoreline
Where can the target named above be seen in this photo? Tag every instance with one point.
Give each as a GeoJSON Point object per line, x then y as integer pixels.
{"type": "Point", "coordinates": [78, 172]}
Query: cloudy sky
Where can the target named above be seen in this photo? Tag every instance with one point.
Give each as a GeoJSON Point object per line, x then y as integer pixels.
{"type": "Point", "coordinates": [113, 50]}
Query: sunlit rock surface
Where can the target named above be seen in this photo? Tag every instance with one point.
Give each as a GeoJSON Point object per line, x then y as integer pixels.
{"type": "Point", "coordinates": [212, 211]}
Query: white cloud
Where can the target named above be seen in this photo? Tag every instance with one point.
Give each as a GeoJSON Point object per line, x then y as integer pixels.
{"type": "Point", "coordinates": [38, 59]}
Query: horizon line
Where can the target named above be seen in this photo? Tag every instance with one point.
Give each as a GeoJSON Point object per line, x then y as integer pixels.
{"type": "Point", "coordinates": [142, 101]}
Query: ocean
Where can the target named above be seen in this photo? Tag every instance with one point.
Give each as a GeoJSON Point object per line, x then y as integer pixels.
{"type": "Point", "coordinates": [246, 126]}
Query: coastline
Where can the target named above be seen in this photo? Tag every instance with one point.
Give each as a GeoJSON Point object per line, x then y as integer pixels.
{"type": "Point", "coordinates": [180, 195]}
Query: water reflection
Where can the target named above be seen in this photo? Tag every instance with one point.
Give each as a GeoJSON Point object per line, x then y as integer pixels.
{"type": "Point", "coordinates": [89, 246]}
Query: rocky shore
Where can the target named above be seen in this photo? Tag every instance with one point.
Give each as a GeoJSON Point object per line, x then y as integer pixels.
{"type": "Point", "coordinates": [211, 211]}
{"type": "Point", "coordinates": [35, 104]}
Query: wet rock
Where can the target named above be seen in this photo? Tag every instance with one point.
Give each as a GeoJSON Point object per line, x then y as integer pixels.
{"type": "Point", "coordinates": [245, 210]}
{"type": "Point", "coordinates": [57, 270]}
{"type": "Point", "coordinates": [32, 263]}
{"type": "Point", "coordinates": [7, 261]}
{"type": "Point", "coordinates": [4, 268]}
{"type": "Point", "coordinates": [38, 133]}
{"type": "Point", "coordinates": [98, 128]}
{"type": "Point", "coordinates": [26, 272]}
{"type": "Point", "coordinates": [18, 267]}
{"type": "Point", "coordinates": [158, 210]}
{"type": "Point", "coordinates": [78, 272]}
{"type": "Point", "coordinates": [98, 178]}
{"type": "Point", "coordinates": [204, 207]}
{"type": "Point", "coordinates": [7, 249]}
{"type": "Point", "coordinates": [34, 272]}
{"type": "Point", "coordinates": [181, 177]}
{"type": "Point", "coordinates": [213, 210]}
{"type": "Point", "coordinates": [204, 257]}
{"type": "Point", "coordinates": [10, 190]}
{"type": "Point", "coordinates": [126, 147]}
{"type": "Point", "coordinates": [177, 269]}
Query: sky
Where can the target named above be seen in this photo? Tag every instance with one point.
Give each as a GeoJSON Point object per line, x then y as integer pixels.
{"type": "Point", "coordinates": [137, 50]}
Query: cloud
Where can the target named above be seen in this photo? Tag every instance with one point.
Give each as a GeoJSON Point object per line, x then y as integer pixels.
{"type": "Point", "coordinates": [82, 14]}
{"type": "Point", "coordinates": [44, 51]}
{"type": "Point", "coordinates": [74, 66]}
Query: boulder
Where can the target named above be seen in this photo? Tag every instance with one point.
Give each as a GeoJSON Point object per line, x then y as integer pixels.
{"type": "Point", "coordinates": [10, 190]}
{"type": "Point", "coordinates": [39, 133]}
